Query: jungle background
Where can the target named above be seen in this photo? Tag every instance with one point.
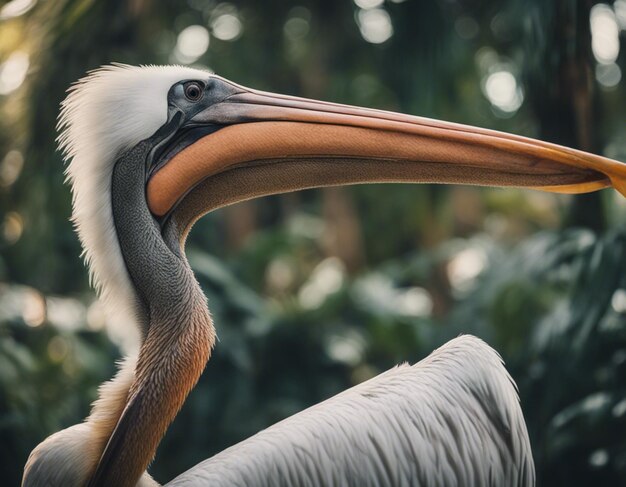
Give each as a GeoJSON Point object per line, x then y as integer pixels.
{"type": "Point", "coordinates": [316, 291]}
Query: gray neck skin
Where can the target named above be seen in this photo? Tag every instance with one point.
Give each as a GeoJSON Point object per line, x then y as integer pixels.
{"type": "Point", "coordinates": [158, 269]}
{"type": "Point", "coordinates": [177, 332]}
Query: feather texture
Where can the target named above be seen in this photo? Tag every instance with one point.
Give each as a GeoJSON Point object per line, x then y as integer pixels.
{"type": "Point", "coordinates": [105, 113]}
{"type": "Point", "coordinates": [453, 420]}
{"type": "Point", "coordinates": [69, 456]}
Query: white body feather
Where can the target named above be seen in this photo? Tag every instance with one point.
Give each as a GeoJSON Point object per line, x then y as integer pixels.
{"type": "Point", "coordinates": [67, 457]}
{"type": "Point", "coordinates": [452, 420]}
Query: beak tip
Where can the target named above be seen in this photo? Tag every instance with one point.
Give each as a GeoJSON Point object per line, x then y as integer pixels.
{"type": "Point", "coordinates": [619, 184]}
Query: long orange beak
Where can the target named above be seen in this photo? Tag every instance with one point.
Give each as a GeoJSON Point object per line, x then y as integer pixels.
{"type": "Point", "coordinates": [269, 144]}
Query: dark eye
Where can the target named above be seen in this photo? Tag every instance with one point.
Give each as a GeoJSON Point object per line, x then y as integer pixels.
{"type": "Point", "coordinates": [193, 90]}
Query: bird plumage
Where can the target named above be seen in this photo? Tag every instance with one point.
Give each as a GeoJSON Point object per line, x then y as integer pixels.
{"type": "Point", "coordinates": [453, 419]}
{"type": "Point", "coordinates": [109, 111]}
{"type": "Point", "coordinates": [66, 458]}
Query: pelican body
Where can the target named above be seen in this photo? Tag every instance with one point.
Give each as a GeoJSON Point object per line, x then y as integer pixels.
{"type": "Point", "coordinates": [152, 149]}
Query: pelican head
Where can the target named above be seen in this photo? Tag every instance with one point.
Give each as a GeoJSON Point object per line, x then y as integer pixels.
{"type": "Point", "coordinates": [151, 149]}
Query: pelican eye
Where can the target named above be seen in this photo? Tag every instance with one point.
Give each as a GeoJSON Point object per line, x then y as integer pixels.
{"type": "Point", "coordinates": [193, 90]}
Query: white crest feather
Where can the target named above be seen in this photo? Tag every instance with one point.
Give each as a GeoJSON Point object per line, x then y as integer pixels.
{"type": "Point", "coordinates": [108, 111]}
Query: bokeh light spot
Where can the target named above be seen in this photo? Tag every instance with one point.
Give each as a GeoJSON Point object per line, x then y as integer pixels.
{"type": "Point", "coordinates": [193, 42]}
{"type": "Point", "coordinates": [378, 293]}
{"type": "Point", "coordinates": [16, 8]}
{"type": "Point", "coordinates": [608, 75]}
{"type": "Point", "coordinates": [13, 227]}
{"type": "Point", "coordinates": [605, 34]}
{"type": "Point", "coordinates": [33, 308]}
{"type": "Point", "coordinates": [279, 274]}
{"type": "Point", "coordinates": [296, 28]}
{"type": "Point", "coordinates": [375, 25]}
{"type": "Point", "coordinates": [65, 313]}
{"type": "Point", "coordinates": [58, 349]}
{"type": "Point", "coordinates": [619, 409]}
{"type": "Point", "coordinates": [226, 27]}
{"type": "Point", "coordinates": [367, 4]}
{"type": "Point", "coordinates": [502, 91]}
{"type": "Point", "coordinates": [347, 348]}
{"type": "Point", "coordinates": [465, 267]}
{"type": "Point", "coordinates": [414, 301]}
{"type": "Point", "coordinates": [618, 300]}
{"type": "Point", "coordinates": [13, 72]}
{"type": "Point", "coordinates": [599, 458]}
{"type": "Point", "coordinates": [326, 279]}
{"type": "Point", "coordinates": [10, 167]}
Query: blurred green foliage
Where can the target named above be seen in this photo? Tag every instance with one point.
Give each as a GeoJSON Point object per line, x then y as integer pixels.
{"type": "Point", "coordinates": [317, 291]}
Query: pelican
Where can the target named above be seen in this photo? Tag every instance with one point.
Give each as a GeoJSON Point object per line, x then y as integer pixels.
{"type": "Point", "coordinates": [150, 150]}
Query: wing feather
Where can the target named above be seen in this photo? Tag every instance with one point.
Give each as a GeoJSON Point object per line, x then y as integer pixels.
{"type": "Point", "coordinates": [453, 419]}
